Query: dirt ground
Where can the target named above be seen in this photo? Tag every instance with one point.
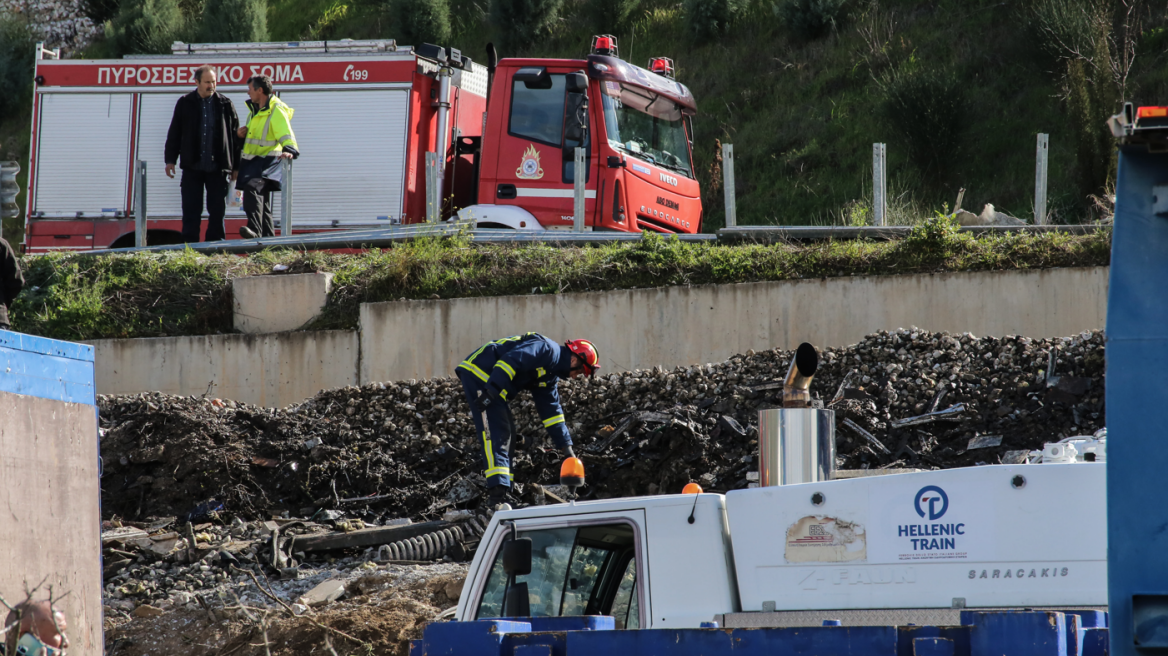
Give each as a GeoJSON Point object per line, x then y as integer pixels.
{"type": "Point", "coordinates": [378, 616]}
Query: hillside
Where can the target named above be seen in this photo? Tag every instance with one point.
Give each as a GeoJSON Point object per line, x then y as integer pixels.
{"type": "Point", "coordinates": [957, 89]}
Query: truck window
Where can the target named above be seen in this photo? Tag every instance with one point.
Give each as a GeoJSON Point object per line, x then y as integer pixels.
{"type": "Point", "coordinates": [574, 571]}
{"type": "Point", "coordinates": [625, 610]}
{"type": "Point", "coordinates": [538, 114]}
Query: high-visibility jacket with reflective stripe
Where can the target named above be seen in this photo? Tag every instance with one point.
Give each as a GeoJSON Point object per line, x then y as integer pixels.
{"type": "Point", "coordinates": [526, 362]}
{"type": "Point", "coordinates": [269, 130]}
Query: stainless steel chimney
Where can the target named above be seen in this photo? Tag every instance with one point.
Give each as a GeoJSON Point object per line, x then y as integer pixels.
{"type": "Point", "coordinates": [796, 442]}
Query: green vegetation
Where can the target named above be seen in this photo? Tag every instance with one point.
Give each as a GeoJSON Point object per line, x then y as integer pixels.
{"type": "Point", "coordinates": [422, 21]}
{"type": "Point", "coordinates": [145, 295]}
{"type": "Point", "coordinates": [234, 21]}
{"type": "Point", "coordinates": [145, 26]}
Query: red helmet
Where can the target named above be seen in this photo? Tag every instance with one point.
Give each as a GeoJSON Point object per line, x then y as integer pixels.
{"type": "Point", "coordinates": [586, 352]}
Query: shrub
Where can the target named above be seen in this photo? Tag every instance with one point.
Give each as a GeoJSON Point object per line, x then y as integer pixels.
{"type": "Point", "coordinates": [16, 67]}
{"type": "Point", "coordinates": [708, 18]}
{"type": "Point", "coordinates": [421, 21]}
{"type": "Point", "coordinates": [520, 23]}
{"type": "Point", "coordinates": [612, 16]}
{"type": "Point", "coordinates": [927, 109]}
{"type": "Point", "coordinates": [231, 21]}
{"type": "Point", "coordinates": [811, 18]}
{"type": "Point", "coordinates": [145, 27]}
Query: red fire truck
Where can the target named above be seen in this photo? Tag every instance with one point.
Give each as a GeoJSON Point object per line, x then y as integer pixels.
{"type": "Point", "coordinates": [366, 115]}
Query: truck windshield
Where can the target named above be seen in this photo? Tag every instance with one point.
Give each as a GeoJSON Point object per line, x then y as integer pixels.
{"type": "Point", "coordinates": [647, 127]}
{"type": "Point", "coordinates": [589, 570]}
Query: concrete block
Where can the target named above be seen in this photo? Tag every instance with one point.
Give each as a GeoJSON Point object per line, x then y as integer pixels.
{"type": "Point", "coordinates": [275, 304]}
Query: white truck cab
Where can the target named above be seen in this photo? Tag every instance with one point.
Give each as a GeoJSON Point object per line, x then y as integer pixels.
{"type": "Point", "coordinates": [880, 549]}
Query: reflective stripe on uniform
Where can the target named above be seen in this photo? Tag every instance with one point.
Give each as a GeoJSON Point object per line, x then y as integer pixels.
{"type": "Point", "coordinates": [469, 366]}
{"type": "Point", "coordinates": [284, 138]}
{"type": "Point", "coordinates": [506, 368]}
{"type": "Point", "coordinates": [503, 394]}
{"type": "Point", "coordinates": [498, 471]}
{"type": "Point", "coordinates": [552, 421]}
{"type": "Point", "coordinates": [259, 142]}
{"type": "Point", "coordinates": [540, 372]}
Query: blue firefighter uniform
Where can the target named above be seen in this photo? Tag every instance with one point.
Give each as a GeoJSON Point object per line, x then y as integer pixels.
{"type": "Point", "coordinates": [506, 366]}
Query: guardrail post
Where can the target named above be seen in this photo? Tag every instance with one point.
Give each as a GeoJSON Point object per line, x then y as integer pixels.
{"type": "Point", "coordinates": [1041, 162]}
{"type": "Point", "coordinates": [140, 204]}
{"type": "Point", "coordinates": [578, 173]}
{"type": "Point", "coordinates": [433, 193]}
{"type": "Point", "coordinates": [879, 183]}
{"type": "Point", "coordinates": [728, 185]}
{"type": "Point", "coordinates": [286, 198]}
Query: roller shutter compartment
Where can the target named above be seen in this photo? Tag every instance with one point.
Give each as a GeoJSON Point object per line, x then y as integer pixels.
{"type": "Point", "coordinates": [353, 156]}
{"type": "Point", "coordinates": [83, 152]}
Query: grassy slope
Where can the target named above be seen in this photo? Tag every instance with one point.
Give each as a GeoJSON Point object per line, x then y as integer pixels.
{"type": "Point", "coordinates": [85, 297]}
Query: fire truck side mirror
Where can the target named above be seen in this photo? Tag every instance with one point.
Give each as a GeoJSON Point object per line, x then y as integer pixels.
{"type": "Point", "coordinates": [576, 114]}
{"type": "Point", "coordinates": [577, 83]}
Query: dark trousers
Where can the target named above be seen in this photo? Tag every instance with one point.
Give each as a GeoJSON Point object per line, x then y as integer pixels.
{"type": "Point", "coordinates": [495, 446]}
{"type": "Point", "coordinates": [192, 185]}
{"type": "Point", "coordinates": [258, 206]}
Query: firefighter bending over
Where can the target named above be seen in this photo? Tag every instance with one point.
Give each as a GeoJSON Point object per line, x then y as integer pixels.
{"type": "Point", "coordinates": [493, 375]}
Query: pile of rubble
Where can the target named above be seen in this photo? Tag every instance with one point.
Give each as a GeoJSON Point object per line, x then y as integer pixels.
{"type": "Point", "coordinates": [388, 451]}
{"type": "Point", "coordinates": [201, 495]}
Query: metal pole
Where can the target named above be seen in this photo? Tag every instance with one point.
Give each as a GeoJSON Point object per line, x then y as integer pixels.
{"type": "Point", "coordinates": [578, 172]}
{"type": "Point", "coordinates": [728, 185]}
{"type": "Point", "coordinates": [433, 193]}
{"type": "Point", "coordinates": [140, 204]}
{"type": "Point", "coordinates": [1042, 161]}
{"type": "Point", "coordinates": [286, 198]}
{"type": "Point", "coordinates": [879, 183]}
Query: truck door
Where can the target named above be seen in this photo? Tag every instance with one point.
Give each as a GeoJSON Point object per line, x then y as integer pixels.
{"type": "Point", "coordinates": [594, 566]}
{"type": "Point", "coordinates": [535, 166]}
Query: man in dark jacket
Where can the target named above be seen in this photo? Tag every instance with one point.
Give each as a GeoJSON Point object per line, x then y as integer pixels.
{"type": "Point", "coordinates": [11, 281]}
{"type": "Point", "coordinates": [203, 135]}
{"type": "Point", "coordinates": [493, 375]}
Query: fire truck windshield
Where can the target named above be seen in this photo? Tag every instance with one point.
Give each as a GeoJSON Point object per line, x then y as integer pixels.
{"type": "Point", "coordinates": [647, 126]}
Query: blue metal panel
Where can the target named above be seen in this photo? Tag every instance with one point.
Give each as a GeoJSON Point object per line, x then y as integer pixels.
{"type": "Point", "coordinates": [958, 636]}
{"type": "Point", "coordinates": [417, 648]}
{"type": "Point", "coordinates": [568, 623]}
{"type": "Point", "coordinates": [932, 647]}
{"type": "Point", "coordinates": [552, 643]}
{"type": "Point", "coordinates": [47, 376]}
{"type": "Point", "coordinates": [807, 641]}
{"type": "Point", "coordinates": [1094, 642]}
{"type": "Point", "coordinates": [533, 650]}
{"type": "Point", "coordinates": [483, 638]}
{"type": "Point", "coordinates": [1018, 633]}
{"type": "Point", "coordinates": [45, 346]}
{"type": "Point", "coordinates": [1137, 398]}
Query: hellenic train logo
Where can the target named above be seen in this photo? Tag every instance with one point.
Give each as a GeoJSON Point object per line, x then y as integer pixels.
{"type": "Point", "coordinates": [935, 499]}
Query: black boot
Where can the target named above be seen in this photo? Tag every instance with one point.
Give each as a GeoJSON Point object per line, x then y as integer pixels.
{"type": "Point", "coordinates": [498, 498]}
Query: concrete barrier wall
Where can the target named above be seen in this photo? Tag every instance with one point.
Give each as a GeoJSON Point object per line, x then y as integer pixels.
{"type": "Point", "coordinates": [633, 329]}
{"type": "Point", "coordinates": [673, 326]}
{"type": "Point", "coordinates": [269, 370]}
{"type": "Point", "coordinates": [50, 525]}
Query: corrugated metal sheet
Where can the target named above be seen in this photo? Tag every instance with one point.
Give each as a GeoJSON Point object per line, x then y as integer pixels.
{"type": "Point", "coordinates": [84, 145]}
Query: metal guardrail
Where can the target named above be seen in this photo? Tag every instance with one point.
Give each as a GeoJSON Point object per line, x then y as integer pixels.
{"type": "Point", "coordinates": [880, 233]}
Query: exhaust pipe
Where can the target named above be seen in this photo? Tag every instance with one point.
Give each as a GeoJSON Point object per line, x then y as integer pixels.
{"type": "Point", "coordinates": [796, 442]}
{"type": "Point", "coordinates": [797, 387]}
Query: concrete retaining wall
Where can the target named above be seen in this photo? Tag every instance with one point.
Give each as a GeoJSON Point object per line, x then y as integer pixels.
{"type": "Point", "coordinates": [50, 525]}
{"type": "Point", "coordinates": [673, 326]}
{"type": "Point", "coordinates": [633, 329]}
{"type": "Point", "coordinates": [270, 370]}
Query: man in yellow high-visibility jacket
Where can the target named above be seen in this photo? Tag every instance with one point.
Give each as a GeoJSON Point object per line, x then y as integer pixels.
{"type": "Point", "coordinates": [268, 138]}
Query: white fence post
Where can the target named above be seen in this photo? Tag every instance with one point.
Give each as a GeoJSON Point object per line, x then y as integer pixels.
{"type": "Point", "coordinates": [578, 173]}
{"type": "Point", "coordinates": [286, 198]}
{"type": "Point", "coordinates": [140, 204]}
{"type": "Point", "coordinates": [879, 183]}
{"type": "Point", "coordinates": [728, 185]}
{"type": "Point", "coordinates": [1041, 164]}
